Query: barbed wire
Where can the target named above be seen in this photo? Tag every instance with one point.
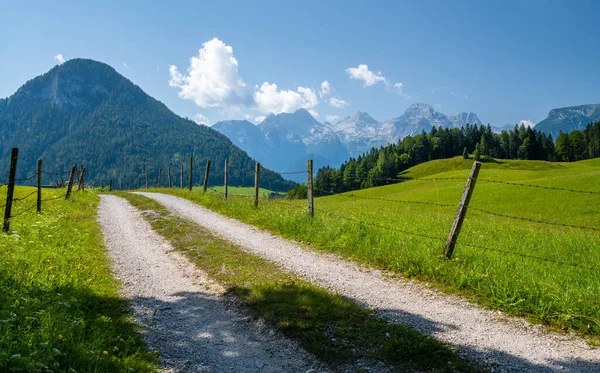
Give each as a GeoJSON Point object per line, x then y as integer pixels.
{"type": "Point", "coordinates": [26, 178]}
{"type": "Point", "coordinates": [27, 196]}
{"type": "Point", "coordinates": [530, 256]}
{"type": "Point", "coordinates": [24, 211]}
{"type": "Point", "coordinates": [533, 220]}
{"type": "Point", "coordinates": [384, 227]}
{"type": "Point", "coordinates": [395, 200]}
{"type": "Point", "coordinates": [292, 172]}
{"type": "Point", "coordinates": [539, 186]}
{"type": "Point", "coordinates": [56, 173]}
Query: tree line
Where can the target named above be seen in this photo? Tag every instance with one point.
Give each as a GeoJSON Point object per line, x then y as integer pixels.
{"type": "Point", "coordinates": [373, 168]}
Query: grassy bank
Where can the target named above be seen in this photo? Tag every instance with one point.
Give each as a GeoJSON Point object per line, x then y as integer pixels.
{"type": "Point", "coordinates": [59, 308]}
{"type": "Point", "coordinates": [491, 263]}
{"type": "Point", "coordinates": [334, 329]}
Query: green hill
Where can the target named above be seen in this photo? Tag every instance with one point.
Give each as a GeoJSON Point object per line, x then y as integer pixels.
{"type": "Point", "coordinates": [84, 111]}
{"type": "Point", "coordinates": [505, 257]}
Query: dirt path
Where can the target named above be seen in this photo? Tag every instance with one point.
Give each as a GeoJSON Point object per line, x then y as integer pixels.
{"type": "Point", "coordinates": [503, 343]}
{"type": "Point", "coordinates": [184, 315]}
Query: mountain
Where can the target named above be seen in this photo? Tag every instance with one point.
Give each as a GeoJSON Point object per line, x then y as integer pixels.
{"type": "Point", "coordinates": [360, 132]}
{"type": "Point", "coordinates": [284, 140]}
{"type": "Point", "coordinates": [568, 119]}
{"type": "Point", "coordinates": [83, 111]}
{"type": "Point", "coordinates": [422, 117]}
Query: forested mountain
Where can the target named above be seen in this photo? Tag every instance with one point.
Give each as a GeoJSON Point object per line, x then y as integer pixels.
{"type": "Point", "coordinates": [569, 119]}
{"type": "Point", "coordinates": [373, 168]}
{"type": "Point", "coordinates": [83, 111]}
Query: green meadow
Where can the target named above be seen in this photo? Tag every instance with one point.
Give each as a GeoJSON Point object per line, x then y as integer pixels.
{"type": "Point", "coordinates": [493, 262]}
{"type": "Point", "coordinates": [59, 307]}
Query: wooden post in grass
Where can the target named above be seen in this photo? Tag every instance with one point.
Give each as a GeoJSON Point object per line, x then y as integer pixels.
{"type": "Point", "coordinates": [462, 210]}
{"type": "Point", "coordinates": [39, 186]}
{"type": "Point", "coordinates": [159, 176]}
{"type": "Point", "coordinates": [256, 180]}
{"type": "Point", "coordinates": [70, 185]}
{"type": "Point", "coordinates": [191, 171]}
{"type": "Point", "coordinates": [10, 192]}
{"type": "Point", "coordinates": [309, 190]}
{"type": "Point", "coordinates": [206, 176]}
{"type": "Point", "coordinates": [146, 178]}
{"type": "Point", "coordinates": [81, 185]}
{"type": "Point", "coordinates": [181, 178]}
{"type": "Point", "coordinates": [226, 178]}
{"type": "Point", "coordinates": [110, 186]}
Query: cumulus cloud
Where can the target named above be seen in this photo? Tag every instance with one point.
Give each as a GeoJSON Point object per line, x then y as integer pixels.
{"type": "Point", "coordinates": [201, 119]}
{"type": "Point", "coordinates": [313, 113]}
{"type": "Point", "coordinates": [362, 72]}
{"type": "Point", "coordinates": [325, 89]}
{"type": "Point", "coordinates": [527, 123]}
{"type": "Point", "coordinates": [212, 79]}
{"type": "Point", "coordinates": [59, 57]}
{"type": "Point", "coordinates": [270, 99]}
{"type": "Point", "coordinates": [332, 118]}
{"type": "Point", "coordinates": [259, 119]}
{"type": "Point", "coordinates": [337, 103]}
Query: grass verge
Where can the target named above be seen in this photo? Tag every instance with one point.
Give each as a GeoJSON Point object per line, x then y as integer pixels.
{"type": "Point", "coordinates": [59, 308]}
{"type": "Point", "coordinates": [334, 329]}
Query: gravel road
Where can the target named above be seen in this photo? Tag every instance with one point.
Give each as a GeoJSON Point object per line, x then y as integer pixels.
{"type": "Point", "coordinates": [500, 342]}
{"type": "Point", "coordinates": [184, 315]}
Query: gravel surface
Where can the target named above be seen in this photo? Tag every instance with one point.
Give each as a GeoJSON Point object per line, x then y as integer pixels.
{"type": "Point", "coordinates": [184, 315]}
{"type": "Point", "coordinates": [500, 342]}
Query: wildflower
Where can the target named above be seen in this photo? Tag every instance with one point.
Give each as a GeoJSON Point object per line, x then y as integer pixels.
{"type": "Point", "coordinates": [60, 337]}
{"type": "Point", "coordinates": [105, 352]}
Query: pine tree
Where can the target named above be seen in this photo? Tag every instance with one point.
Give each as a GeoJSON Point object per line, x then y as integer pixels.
{"type": "Point", "coordinates": [477, 153]}
{"type": "Point", "coordinates": [465, 153]}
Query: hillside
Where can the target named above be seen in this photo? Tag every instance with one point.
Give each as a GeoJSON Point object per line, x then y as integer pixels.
{"type": "Point", "coordinates": [84, 111]}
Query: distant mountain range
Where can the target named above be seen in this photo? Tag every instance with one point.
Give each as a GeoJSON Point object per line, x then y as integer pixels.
{"type": "Point", "coordinates": [83, 111]}
{"type": "Point", "coordinates": [285, 141]}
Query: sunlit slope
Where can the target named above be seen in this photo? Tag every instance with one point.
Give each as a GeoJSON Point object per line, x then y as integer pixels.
{"type": "Point", "coordinates": [525, 267]}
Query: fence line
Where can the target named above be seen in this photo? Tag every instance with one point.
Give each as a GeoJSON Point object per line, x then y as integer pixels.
{"type": "Point", "coordinates": [12, 183]}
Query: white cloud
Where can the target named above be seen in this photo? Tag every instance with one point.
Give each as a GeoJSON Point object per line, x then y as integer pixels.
{"type": "Point", "coordinates": [127, 66]}
{"type": "Point", "coordinates": [201, 119]}
{"type": "Point", "coordinates": [313, 113]}
{"type": "Point", "coordinates": [467, 97]}
{"type": "Point", "coordinates": [436, 89]}
{"type": "Point", "coordinates": [332, 118]}
{"type": "Point", "coordinates": [527, 123]}
{"type": "Point", "coordinates": [270, 99]}
{"type": "Point", "coordinates": [212, 79]}
{"type": "Point", "coordinates": [363, 73]}
{"type": "Point", "coordinates": [452, 94]}
{"type": "Point", "coordinates": [338, 103]}
{"type": "Point", "coordinates": [259, 119]}
{"type": "Point", "coordinates": [59, 57]}
{"type": "Point", "coordinates": [325, 89]}
{"type": "Point", "coordinates": [398, 85]}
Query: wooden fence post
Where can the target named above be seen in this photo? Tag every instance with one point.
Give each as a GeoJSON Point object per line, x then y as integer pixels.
{"type": "Point", "coordinates": [181, 178]}
{"type": "Point", "coordinates": [256, 181]}
{"type": "Point", "coordinates": [39, 186]}
{"type": "Point", "coordinates": [191, 171]}
{"type": "Point", "coordinates": [159, 176]}
{"type": "Point", "coordinates": [10, 192]}
{"type": "Point", "coordinates": [110, 186]}
{"type": "Point", "coordinates": [70, 185]}
{"type": "Point", "coordinates": [169, 176]}
{"type": "Point", "coordinates": [206, 176]}
{"type": "Point", "coordinates": [309, 190]}
{"type": "Point", "coordinates": [81, 185]}
{"type": "Point", "coordinates": [226, 178]}
{"type": "Point", "coordinates": [462, 210]}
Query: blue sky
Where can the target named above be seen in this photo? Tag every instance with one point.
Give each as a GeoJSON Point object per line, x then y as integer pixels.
{"type": "Point", "coordinates": [506, 61]}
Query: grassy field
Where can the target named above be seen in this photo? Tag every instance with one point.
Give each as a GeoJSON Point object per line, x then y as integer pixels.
{"type": "Point", "coordinates": [59, 308]}
{"type": "Point", "coordinates": [491, 271]}
{"type": "Point", "coordinates": [331, 327]}
{"type": "Point", "coordinates": [236, 191]}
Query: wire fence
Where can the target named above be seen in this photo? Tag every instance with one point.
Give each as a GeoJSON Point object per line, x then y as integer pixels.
{"type": "Point", "coordinates": [354, 197]}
